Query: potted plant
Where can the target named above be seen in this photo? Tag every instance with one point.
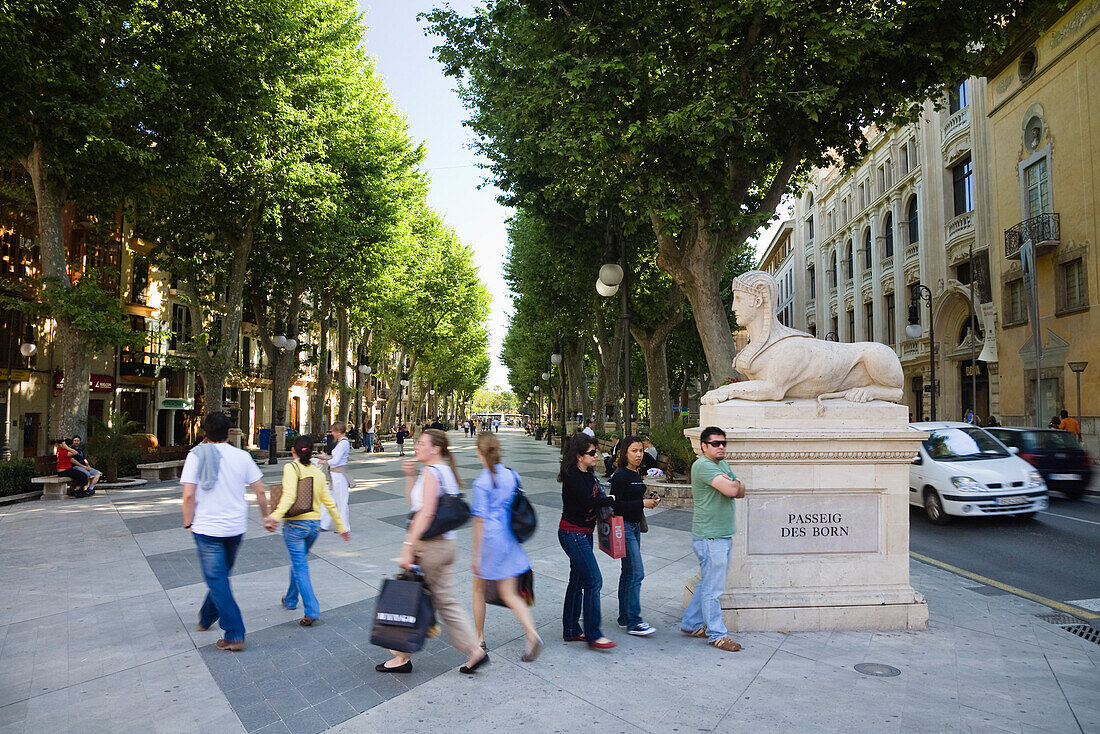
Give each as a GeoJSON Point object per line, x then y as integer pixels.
{"type": "Point", "coordinates": [111, 444]}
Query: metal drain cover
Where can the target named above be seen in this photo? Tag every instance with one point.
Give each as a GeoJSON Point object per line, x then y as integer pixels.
{"type": "Point", "coordinates": [877, 669]}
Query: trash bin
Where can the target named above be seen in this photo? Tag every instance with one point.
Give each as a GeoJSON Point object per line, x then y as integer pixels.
{"type": "Point", "coordinates": [265, 438]}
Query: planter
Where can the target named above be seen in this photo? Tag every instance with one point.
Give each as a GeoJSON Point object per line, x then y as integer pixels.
{"type": "Point", "coordinates": [676, 495]}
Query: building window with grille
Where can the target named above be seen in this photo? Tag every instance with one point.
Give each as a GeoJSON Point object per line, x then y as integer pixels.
{"type": "Point", "coordinates": [181, 326]}
{"type": "Point", "coordinates": [810, 228]}
{"type": "Point", "coordinates": [914, 222]}
{"type": "Point", "coordinates": [1015, 303]}
{"type": "Point", "coordinates": [849, 261]}
{"type": "Point", "coordinates": [1072, 286]}
{"type": "Point", "coordinates": [812, 282]}
{"type": "Point", "coordinates": [891, 333]}
{"type": "Point", "coordinates": [1037, 180]}
{"type": "Point", "coordinates": [139, 286]}
{"type": "Point", "coordinates": [869, 321]}
{"type": "Point", "coordinates": [888, 236]}
{"type": "Point", "coordinates": [851, 325]}
{"type": "Point", "coordinates": [833, 274]}
{"type": "Point", "coordinates": [867, 250]}
{"type": "Point", "coordinates": [959, 97]}
{"type": "Point", "coordinates": [962, 177]}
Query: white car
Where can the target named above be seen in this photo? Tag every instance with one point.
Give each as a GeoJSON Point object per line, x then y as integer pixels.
{"type": "Point", "coordinates": [962, 470]}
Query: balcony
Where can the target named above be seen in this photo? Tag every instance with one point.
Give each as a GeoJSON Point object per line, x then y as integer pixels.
{"type": "Point", "coordinates": [914, 348]}
{"type": "Point", "coordinates": [956, 125]}
{"type": "Point", "coordinates": [808, 251]}
{"type": "Point", "coordinates": [1044, 231]}
{"type": "Point", "coordinates": [912, 252]}
{"type": "Point", "coordinates": [139, 364]}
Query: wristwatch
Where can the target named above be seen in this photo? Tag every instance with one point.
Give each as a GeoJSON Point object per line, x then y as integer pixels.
{"type": "Point", "coordinates": [187, 526]}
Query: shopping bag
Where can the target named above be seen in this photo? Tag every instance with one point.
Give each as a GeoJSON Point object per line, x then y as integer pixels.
{"type": "Point", "coordinates": [612, 536]}
{"type": "Point", "coordinates": [403, 614]}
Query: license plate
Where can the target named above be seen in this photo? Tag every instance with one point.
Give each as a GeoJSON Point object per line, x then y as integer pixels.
{"type": "Point", "coordinates": [1021, 500]}
{"type": "Point", "coordinates": [1065, 477]}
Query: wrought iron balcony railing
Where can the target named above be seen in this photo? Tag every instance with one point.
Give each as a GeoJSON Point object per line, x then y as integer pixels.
{"type": "Point", "coordinates": [1043, 230]}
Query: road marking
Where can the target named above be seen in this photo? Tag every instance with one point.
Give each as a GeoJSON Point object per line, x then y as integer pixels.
{"type": "Point", "coordinates": [1091, 604]}
{"type": "Point", "coordinates": [1067, 517]}
{"type": "Point", "coordinates": [1060, 606]}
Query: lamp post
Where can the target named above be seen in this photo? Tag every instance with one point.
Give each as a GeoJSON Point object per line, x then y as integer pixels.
{"type": "Point", "coordinates": [401, 400]}
{"type": "Point", "coordinates": [1078, 368]}
{"type": "Point", "coordinates": [555, 359]}
{"type": "Point", "coordinates": [549, 405]}
{"type": "Point", "coordinates": [281, 344]}
{"type": "Point", "coordinates": [27, 349]}
{"type": "Point", "coordinates": [538, 400]}
{"type": "Point", "coordinates": [364, 370]}
{"type": "Point", "coordinates": [832, 336]}
{"type": "Point", "coordinates": [611, 276]}
{"type": "Point", "coordinates": [922, 292]}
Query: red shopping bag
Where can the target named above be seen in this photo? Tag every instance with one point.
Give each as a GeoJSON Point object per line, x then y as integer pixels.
{"type": "Point", "coordinates": [612, 536]}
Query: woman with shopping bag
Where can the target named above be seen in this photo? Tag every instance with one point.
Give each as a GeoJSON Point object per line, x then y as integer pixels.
{"type": "Point", "coordinates": [435, 554]}
{"type": "Point", "coordinates": [630, 502]}
{"type": "Point", "coordinates": [581, 497]}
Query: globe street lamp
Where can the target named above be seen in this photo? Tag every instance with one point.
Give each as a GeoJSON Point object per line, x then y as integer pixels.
{"type": "Point", "coordinates": [401, 400]}
{"type": "Point", "coordinates": [919, 293]}
{"type": "Point", "coordinates": [555, 359]}
{"type": "Point", "coordinates": [611, 275]}
{"type": "Point", "coordinates": [27, 349]}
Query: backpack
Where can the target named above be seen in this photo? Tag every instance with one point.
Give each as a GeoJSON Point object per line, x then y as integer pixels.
{"type": "Point", "coordinates": [522, 518]}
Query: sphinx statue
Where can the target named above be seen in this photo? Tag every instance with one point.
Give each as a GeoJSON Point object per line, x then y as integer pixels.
{"type": "Point", "coordinates": [780, 362]}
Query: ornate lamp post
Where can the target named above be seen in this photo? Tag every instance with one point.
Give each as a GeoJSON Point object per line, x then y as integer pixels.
{"type": "Point", "coordinates": [611, 275]}
{"type": "Point", "coordinates": [27, 349]}
{"type": "Point", "coordinates": [555, 359]}
{"type": "Point", "coordinates": [281, 344]}
{"type": "Point", "coordinates": [401, 400]}
{"type": "Point", "coordinates": [922, 292]}
{"type": "Point", "coordinates": [1078, 368]}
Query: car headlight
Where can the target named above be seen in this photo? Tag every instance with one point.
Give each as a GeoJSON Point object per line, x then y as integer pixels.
{"type": "Point", "coordinates": [967, 484]}
{"type": "Point", "coordinates": [1034, 477]}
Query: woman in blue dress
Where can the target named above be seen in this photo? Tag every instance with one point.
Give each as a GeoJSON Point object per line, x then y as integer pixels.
{"type": "Point", "coordinates": [496, 556]}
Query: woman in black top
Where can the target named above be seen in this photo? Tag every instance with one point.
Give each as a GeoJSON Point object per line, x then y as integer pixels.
{"type": "Point", "coordinates": [581, 498]}
{"type": "Point", "coordinates": [629, 489]}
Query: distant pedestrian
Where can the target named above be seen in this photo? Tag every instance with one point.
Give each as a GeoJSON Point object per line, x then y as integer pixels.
{"type": "Point", "coordinates": [629, 488]}
{"type": "Point", "coordinates": [371, 433]}
{"type": "Point", "coordinates": [496, 557]}
{"type": "Point", "coordinates": [1055, 422]}
{"type": "Point", "coordinates": [301, 529]}
{"type": "Point", "coordinates": [473, 428]}
{"type": "Point", "coordinates": [589, 429]}
{"type": "Point", "coordinates": [466, 428]}
{"type": "Point", "coordinates": [435, 556]}
{"type": "Point", "coordinates": [992, 422]}
{"type": "Point", "coordinates": [713, 489]}
{"type": "Point", "coordinates": [215, 510]}
{"type": "Point", "coordinates": [581, 497]}
{"type": "Point", "coordinates": [1066, 424]}
{"type": "Point", "coordinates": [401, 434]}
{"type": "Point", "coordinates": [337, 463]}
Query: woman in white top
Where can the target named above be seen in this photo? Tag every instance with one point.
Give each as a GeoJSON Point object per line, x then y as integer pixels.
{"type": "Point", "coordinates": [435, 556]}
{"type": "Point", "coordinates": [337, 464]}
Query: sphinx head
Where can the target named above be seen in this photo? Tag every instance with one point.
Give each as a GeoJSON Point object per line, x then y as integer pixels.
{"type": "Point", "coordinates": [754, 296]}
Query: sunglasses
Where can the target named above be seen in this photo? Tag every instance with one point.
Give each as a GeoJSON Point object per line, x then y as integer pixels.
{"type": "Point", "coordinates": [716, 444]}
{"type": "Point", "coordinates": [593, 452]}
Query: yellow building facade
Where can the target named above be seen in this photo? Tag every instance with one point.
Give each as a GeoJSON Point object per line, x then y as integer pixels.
{"type": "Point", "coordinates": [1043, 158]}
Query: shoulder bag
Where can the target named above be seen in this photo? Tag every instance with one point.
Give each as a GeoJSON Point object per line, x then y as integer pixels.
{"type": "Point", "coordinates": [522, 518]}
{"type": "Point", "coordinates": [303, 499]}
{"type": "Point", "coordinates": [451, 513]}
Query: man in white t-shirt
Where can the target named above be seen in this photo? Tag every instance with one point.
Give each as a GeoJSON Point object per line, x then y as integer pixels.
{"type": "Point", "coordinates": [590, 429]}
{"type": "Point", "coordinates": [215, 510]}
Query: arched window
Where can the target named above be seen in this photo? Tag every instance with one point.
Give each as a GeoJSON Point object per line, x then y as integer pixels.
{"type": "Point", "coordinates": [867, 249]}
{"type": "Point", "coordinates": [849, 261]}
{"type": "Point", "coordinates": [833, 272]}
{"type": "Point", "coordinates": [888, 233]}
{"type": "Point", "coordinates": [914, 226]}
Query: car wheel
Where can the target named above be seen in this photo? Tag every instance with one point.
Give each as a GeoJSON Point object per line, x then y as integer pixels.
{"type": "Point", "coordinates": [933, 508]}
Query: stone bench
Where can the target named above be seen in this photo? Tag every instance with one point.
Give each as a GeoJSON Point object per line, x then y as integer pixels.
{"type": "Point", "coordinates": [53, 487]}
{"type": "Point", "coordinates": [160, 470]}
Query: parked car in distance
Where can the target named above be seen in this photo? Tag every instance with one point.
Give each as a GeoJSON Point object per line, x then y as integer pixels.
{"type": "Point", "coordinates": [962, 470]}
{"type": "Point", "coordinates": [1056, 455]}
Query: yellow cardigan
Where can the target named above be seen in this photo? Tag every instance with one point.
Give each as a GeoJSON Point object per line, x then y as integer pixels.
{"type": "Point", "coordinates": [292, 472]}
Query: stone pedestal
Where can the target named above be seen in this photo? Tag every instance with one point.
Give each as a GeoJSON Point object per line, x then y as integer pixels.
{"type": "Point", "coordinates": [235, 435]}
{"type": "Point", "coordinates": [822, 537]}
{"type": "Point", "coordinates": [280, 439]}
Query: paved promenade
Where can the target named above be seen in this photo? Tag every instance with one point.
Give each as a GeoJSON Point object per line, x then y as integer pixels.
{"type": "Point", "coordinates": [97, 634]}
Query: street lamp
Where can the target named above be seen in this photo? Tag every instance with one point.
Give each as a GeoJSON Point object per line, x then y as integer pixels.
{"type": "Point", "coordinates": [281, 343]}
{"type": "Point", "coordinates": [832, 336]}
{"type": "Point", "coordinates": [611, 275]}
{"type": "Point", "coordinates": [27, 349]}
{"type": "Point", "coordinates": [922, 292]}
{"type": "Point", "coordinates": [1078, 368]}
{"type": "Point", "coordinates": [555, 359]}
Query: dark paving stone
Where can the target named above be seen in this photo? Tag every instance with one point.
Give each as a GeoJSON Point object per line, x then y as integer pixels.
{"type": "Point", "coordinates": [401, 521]}
{"type": "Point", "coordinates": [153, 523]}
{"type": "Point", "coordinates": [310, 682]}
{"type": "Point", "coordinates": [358, 496]}
{"type": "Point", "coordinates": [540, 474]}
{"type": "Point", "coordinates": [181, 568]}
{"type": "Point", "coordinates": [672, 519]}
{"type": "Point", "coordinates": [988, 590]}
{"type": "Point", "coordinates": [549, 499]}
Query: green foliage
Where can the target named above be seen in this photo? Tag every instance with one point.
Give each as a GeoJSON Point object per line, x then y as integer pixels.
{"type": "Point", "coordinates": [15, 476]}
{"type": "Point", "coordinates": [671, 441]}
{"type": "Point", "coordinates": [110, 444]}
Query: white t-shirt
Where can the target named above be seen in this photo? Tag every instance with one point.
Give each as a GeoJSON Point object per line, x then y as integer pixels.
{"type": "Point", "coordinates": [450, 486]}
{"type": "Point", "coordinates": [588, 430]}
{"type": "Point", "coordinates": [340, 453]}
{"type": "Point", "coordinates": [222, 511]}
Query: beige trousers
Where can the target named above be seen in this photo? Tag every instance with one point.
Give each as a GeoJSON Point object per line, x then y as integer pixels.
{"type": "Point", "coordinates": [436, 558]}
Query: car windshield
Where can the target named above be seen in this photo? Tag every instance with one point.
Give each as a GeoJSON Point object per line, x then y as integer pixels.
{"type": "Point", "coordinates": [962, 444]}
{"type": "Point", "coordinates": [1053, 440]}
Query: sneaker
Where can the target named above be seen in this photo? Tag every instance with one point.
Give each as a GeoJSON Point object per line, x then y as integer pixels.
{"type": "Point", "coordinates": [641, 630]}
{"type": "Point", "coordinates": [725, 643]}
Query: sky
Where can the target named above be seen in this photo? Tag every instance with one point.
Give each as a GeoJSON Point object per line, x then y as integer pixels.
{"type": "Point", "coordinates": [403, 57]}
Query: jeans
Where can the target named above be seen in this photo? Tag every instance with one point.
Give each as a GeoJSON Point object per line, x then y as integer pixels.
{"type": "Point", "coordinates": [299, 536]}
{"type": "Point", "coordinates": [705, 609]}
{"type": "Point", "coordinates": [583, 591]}
{"type": "Point", "coordinates": [216, 555]}
{"type": "Point", "coordinates": [370, 443]}
{"type": "Point", "coordinates": [630, 579]}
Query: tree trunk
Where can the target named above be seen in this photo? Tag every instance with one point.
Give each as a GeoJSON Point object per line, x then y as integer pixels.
{"type": "Point", "coordinates": [318, 420]}
{"type": "Point", "coordinates": [653, 345]}
{"type": "Point", "coordinates": [393, 393]}
{"type": "Point", "coordinates": [76, 363]}
{"type": "Point", "coordinates": [285, 362]}
{"type": "Point", "coordinates": [341, 363]}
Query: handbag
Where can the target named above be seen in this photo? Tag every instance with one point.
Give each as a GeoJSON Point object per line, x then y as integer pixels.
{"type": "Point", "coordinates": [303, 499]}
{"type": "Point", "coordinates": [451, 513]}
{"type": "Point", "coordinates": [522, 518]}
{"type": "Point", "coordinates": [403, 614]}
{"type": "Point", "coordinates": [525, 587]}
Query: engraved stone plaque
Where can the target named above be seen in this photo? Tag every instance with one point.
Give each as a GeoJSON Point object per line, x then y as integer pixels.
{"type": "Point", "coordinates": [819, 523]}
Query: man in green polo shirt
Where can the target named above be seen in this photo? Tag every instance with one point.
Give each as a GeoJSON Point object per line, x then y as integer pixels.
{"type": "Point", "coordinates": [713, 489]}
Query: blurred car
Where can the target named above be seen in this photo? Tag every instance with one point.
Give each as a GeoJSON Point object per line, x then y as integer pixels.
{"type": "Point", "coordinates": [962, 470]}
{"type": "Point", "coordinates": [1056, 455]}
